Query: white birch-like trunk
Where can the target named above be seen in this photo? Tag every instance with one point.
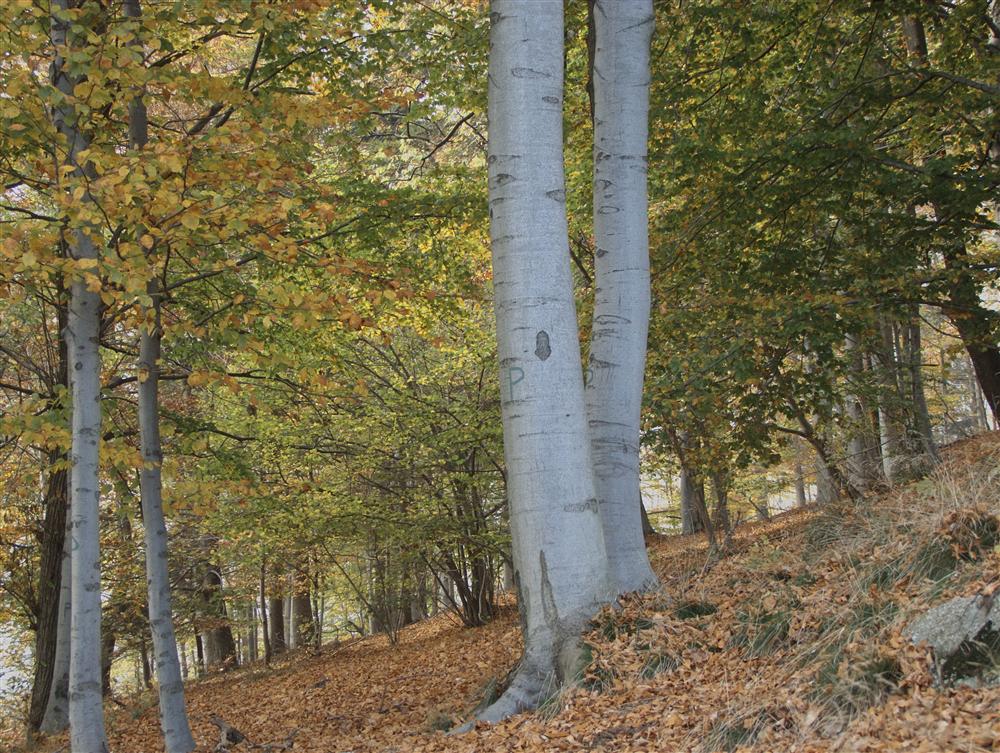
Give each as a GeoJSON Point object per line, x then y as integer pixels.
{"type": "Point", "coordinates": [623, 30]}
{"type": "Point", "coordinates": [177, 736]}
{"type": "Point", "coordinates": [558, 544]}
{"type": "Point", "coordinates": [173, 716]}
{"type": "Point", "coordinates": [86, 710]}
{"type": "Point", "coordinates": [56, 717]}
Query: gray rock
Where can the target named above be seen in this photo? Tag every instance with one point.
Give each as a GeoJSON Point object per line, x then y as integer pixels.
{"type": "Point", "coordinates": [964, 635]}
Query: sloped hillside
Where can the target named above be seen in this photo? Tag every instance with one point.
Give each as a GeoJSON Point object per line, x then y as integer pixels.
{"type": "Point", "coordinates": [794, 642]}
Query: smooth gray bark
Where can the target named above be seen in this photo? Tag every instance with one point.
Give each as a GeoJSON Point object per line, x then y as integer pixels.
{"type": "Point", "coordinates": [691, 489]}
{"type": "Point", "coordinates": [617, 358]}
{"type": "Point", "coordinates": [173, 716]}
{"type": "Point", "coordinates": [558, 544]}
{"type": "Point", "coordinates": [86, 711]}
{"type": "Point", "coordinates": [800, 485]}
{"type": "Point", "coordinates": [170, 684]}
{"type": "Point", "coordinates": [890, 404]}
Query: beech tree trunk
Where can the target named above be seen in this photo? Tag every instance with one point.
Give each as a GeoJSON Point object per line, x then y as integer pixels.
{"type": "Point", "coordinates": [558, 544]}
{"type": "Point", "coordinates": [615, 368]}
{"type": "Point", "coordinates": [219, 644]}
{"type": "Point", "coordinates": [691, 490]}
{"type": "Point", "coordinates": [86, 712]}
{"type": "Point", "coordinates": [170, 684]}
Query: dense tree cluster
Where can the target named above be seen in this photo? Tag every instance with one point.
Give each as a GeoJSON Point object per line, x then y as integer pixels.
{"type": "Point", "coordinates": [250, 318]}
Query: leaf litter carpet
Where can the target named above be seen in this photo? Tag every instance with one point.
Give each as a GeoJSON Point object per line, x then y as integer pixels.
{"type": "Point", "coordinates": [793, 642]}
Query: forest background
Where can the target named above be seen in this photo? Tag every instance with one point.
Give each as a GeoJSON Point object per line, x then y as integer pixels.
{"type": "Point", "coordinates": [306, 225]}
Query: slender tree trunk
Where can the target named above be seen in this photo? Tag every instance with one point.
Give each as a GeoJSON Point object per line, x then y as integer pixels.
{"type": "Point", "coordinates": [219, 644]}
{"type": "Point", "coordinates": [49, 590]}
{"type": "Point", "coordinates": [199, 652]}
{"type": "Point", "coordinates": [914, 363]}
{"type": "Point", "coordinates": [56, 717]}
{"type": "Point", "coordinates": [890, 405]}
{"type": "Point", "coordinates": [49, 709]}
{"type": "Point", "coordinates": [862, 471]}
{"type": "Point", "coordinates": [647, 526]}
{"type": "Point", "coordinates": [302, 622]}
{"type": "Point", "coordinates": [974, 322]}
{"type": "Point", "coordinates": [287, 615]}
{"type": "Point", "coordinates": [173, 715]}
{"type": "Point", "coordinates": [559, 554]}
{"type": "Point", "coordinates": [276, 606]}
{"type": "Point", "coordinates": [621, 281]}
{"type": "Point", "coordinates": [86, 712]}
{"type": "Point", "coordinates": [265, 628]}
{"type": "Point", "coordinates": [182, 653]}
{"type": "Point", "coordinates": [691, 487]}
{"type": "Point", "coordinates": [800, 485]}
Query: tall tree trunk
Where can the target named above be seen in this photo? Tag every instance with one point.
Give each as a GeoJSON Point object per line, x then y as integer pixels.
{"type": "Point", "coordinates": [862, 470]}
{"type": "Point", "coordinates": [56, 717]}
{"type": "Point", "coordinates": [975, 323]}
{"type": "Point", "coordinates": [891, 412]}
{"type": "Point", "coordinates": [923, 434]}
{"type": "Point", "coordinates": [615, 367]}
{"type": "Point", "coordinates": [276, 607]}
{"type": "Point", "coordinates": [559, 554]}
{"type": "Point", "coordinates": [691, 488]}
{"type": "Point", "coordinates": [302, 621]}
{"type": "Point", "coordinates": [647, 526]}
{"type": "Point", "coordinates": [265, 628]}
{"type": "Point", "coordinates": [173, 716]}
{"type": "Point", "coordinates": [86, 712]}
{"type": "Point", "coordinates": [49, 590]}
{"type": "Point", "coordinates": [219, 644]}
{"type": "Point", "coordinates": [170, 684]}
{"type": "Point", "coordinates": [800, 484]}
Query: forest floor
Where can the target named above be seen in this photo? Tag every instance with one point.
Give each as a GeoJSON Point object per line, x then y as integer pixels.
{"type": "Point", "coordinates": [793, 642]}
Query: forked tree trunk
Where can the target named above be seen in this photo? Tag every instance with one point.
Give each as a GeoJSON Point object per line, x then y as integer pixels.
{"type": "Point", "coordinates": [170, 685]}
{"type": "Point", "coordinates": [558, 544]}
{"type": "Point", "coordinates": [86, 712]}
{"type": "Point", "coordinates": [615, 367]}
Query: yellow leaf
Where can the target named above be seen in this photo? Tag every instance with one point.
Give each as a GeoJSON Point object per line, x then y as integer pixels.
{"type": "Point", "coordinates": [147, 241]}
{"type": "Point", "coordinates": [86, 263]}
{"type": "Point", "coordinates": [190, 220]}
